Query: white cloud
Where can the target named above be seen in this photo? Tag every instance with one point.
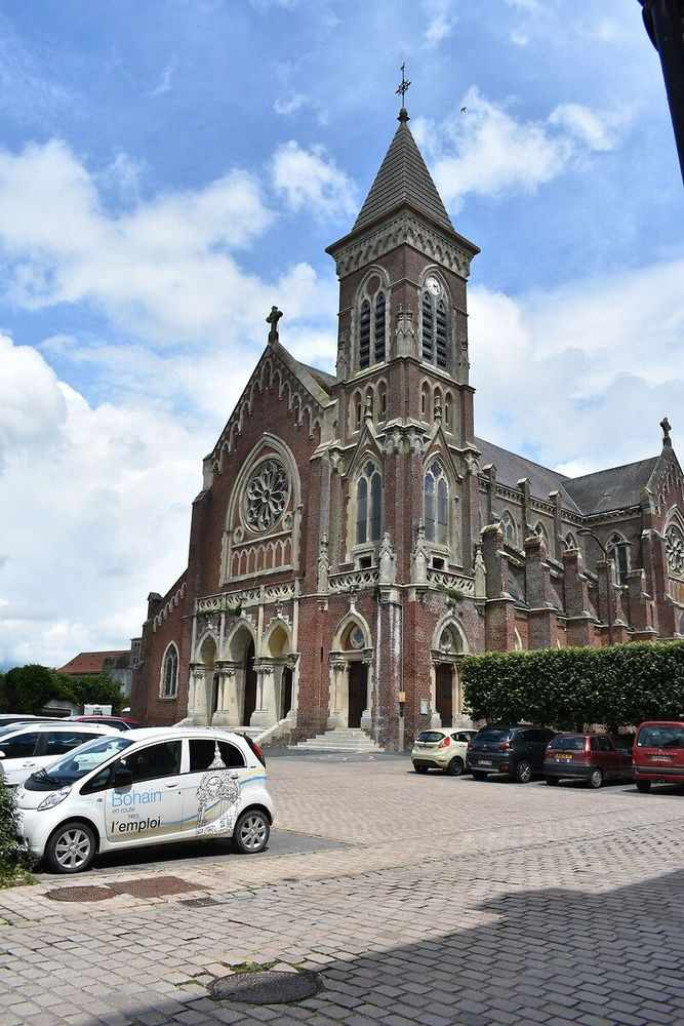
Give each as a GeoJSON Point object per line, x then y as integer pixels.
{"type": "Point", "coordinates": [292, 104]}
{"type": "Point", "coordinates": [310, 179]}
{"type": "Point", "coordinates": [441, 20]}
{"type": "Point", "coordinates": [581, 375]}
{"type": "Point", "coordinates": [164, 84]}
{"type": "Point", "coordinates": [485, 150]}
{"type": "Point", "coordinates": [99, 512]}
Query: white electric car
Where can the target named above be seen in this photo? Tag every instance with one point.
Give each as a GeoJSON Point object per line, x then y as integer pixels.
{"type": "Point", "coordinates": [146, 787]}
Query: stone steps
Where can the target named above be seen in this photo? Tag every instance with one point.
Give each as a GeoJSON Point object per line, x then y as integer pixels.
{"type": "Point", "coordinates": [341, 739]}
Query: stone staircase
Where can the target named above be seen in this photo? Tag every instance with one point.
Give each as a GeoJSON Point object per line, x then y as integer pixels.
{"type": "Point", "coordinates": [341, 739]}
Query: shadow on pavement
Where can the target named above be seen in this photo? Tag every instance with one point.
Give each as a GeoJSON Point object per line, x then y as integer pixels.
{"type": "Point", "coordinates": [595, 957]}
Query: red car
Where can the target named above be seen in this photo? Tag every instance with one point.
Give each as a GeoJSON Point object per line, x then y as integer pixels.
{"type": "Point", "coordinates": [659, 753]}
{"type": "Point", "coordinates": [120, 722]}
{"type": "Point", "coordinates": [593, 758]}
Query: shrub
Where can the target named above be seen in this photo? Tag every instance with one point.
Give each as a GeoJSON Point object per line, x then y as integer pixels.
{"type": "Point", "coordinates": [15, 861]}
{"type": "Point", "coordinates": [618, 686]}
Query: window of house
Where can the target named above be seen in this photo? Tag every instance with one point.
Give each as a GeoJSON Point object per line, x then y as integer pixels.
{"type": "Point", "coordinates": [436, 502]}
{"type": "Point", "coordinates": [435, 323]}
{"type": "Point", "coordinates": [368, 505]}
{"type": "Point", "coordinates": [169, 678]}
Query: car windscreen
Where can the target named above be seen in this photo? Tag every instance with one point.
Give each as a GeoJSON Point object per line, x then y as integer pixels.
{"type": "Point", "coordinates": [430, 735]}
{"type": "Point", "coordinates": [567, 744]}
{"type": "Point", "coordinates": [661, 737]}
{"type": "Point", "coordinates": [492, 734]}
{"type": "Point", "coordinates": [77, 763]}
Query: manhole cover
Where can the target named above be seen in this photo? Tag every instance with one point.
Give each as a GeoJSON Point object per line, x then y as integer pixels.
{"type": "Point", "coordinates": [80, 894]}
{"type": "Point", "coordinates": [155, 886]}
{"type": "Point", "coordinates": [201, 902]}
{"type": "Point", "coordinates": [267, 988]}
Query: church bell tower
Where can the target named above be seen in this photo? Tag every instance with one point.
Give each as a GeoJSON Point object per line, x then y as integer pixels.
{"type": "Point", "coordinates": [403, 332]}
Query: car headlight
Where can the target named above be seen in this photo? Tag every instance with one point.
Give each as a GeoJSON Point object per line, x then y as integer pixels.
{"type": "Point", "coordinates": [54, 798]}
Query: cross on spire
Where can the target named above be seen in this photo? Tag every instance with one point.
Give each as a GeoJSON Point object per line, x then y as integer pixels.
{"type": "Point", "coordinates": [401, 91]}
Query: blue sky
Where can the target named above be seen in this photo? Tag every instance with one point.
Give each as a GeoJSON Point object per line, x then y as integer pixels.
{"type": "Point", "coordinates": [168, 169]}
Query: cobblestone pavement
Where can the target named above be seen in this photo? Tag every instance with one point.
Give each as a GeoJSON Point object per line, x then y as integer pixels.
{"type": "Point", "coordinates": [430, 900]}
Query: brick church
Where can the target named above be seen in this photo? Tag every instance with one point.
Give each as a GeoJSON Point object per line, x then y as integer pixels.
{"type": "Point", "coordinates": [354, 538]}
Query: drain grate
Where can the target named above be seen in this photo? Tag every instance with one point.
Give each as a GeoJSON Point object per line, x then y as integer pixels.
{"type": "Point", "coordinates": [201, 902]}
{"type": "Point", "coordinates": [80, 894]}
{"type": "Point", "coordinates": [267, 988]}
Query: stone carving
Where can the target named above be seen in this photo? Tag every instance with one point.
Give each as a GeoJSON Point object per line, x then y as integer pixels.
{"type": "Point", "coordinates": [674, 548]}
{"type": "Point", "coordinates": [323, 566]}
{"type": "Point", "coordinates": [419, 557]}
{"type": "Point", "coordinates": [387, 561]}
{"type": "Point", "coordinates": [342, 367]}
{"type": "Point", "coordinates": [480, 575]}
{"type": "Point", "coordinates": [667, 428]}
{"type": "Point", "coordinates": [405, 336]}
{"type": "Point", "coordinates": [266, 495]}
{"type": "Point", "coordinates": [273, 319]}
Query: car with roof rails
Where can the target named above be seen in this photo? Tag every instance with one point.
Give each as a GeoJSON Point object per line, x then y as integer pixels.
{"type": "Point", "coordinates": [27, 747]}
{"type": "Point", "coordinates": [514, 751]}
{"type": "Point", "coordinates": [146, 787]}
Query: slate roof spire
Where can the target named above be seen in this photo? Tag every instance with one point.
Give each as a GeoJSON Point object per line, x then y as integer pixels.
{"type": "Point", "coordinates": [403, 178]}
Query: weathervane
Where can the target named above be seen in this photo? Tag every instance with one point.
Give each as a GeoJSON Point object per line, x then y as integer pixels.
{"type": "Point", "coordinates": [401, 91]}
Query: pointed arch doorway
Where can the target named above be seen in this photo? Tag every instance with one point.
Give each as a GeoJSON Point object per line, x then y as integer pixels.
{"type": "Point", "coordinates": [250, 679]}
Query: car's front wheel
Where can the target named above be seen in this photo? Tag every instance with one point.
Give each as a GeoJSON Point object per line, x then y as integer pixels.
{"type": "Point", "coordinates": [455, 767]}
{"type": "Point", "coordinates": [252, 832]}
{"type": "Point", "coordinates": [71, 848]}
{"type": "Point", "coordinates": [523, 772]}
{"type": "Point", "coordinates": [596, 779]}
{"type": "Point", "coordinates": [644, 786]}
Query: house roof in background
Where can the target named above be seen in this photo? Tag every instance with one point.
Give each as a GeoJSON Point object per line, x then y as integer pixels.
{"type": "Point", "coordinates": [91, 662]}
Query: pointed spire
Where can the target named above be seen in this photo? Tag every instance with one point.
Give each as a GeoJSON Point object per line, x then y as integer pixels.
{"type": "Point", "coordinates": [403, 178]}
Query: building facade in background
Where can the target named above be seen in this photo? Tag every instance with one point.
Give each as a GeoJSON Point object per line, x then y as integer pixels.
{"type": "Point", "coordinates": [354, 538]}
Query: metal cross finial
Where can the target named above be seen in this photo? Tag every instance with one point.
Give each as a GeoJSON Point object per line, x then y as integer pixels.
{"type": "Point", "coordinates": [403, 89]}
{"type": "Point", "coordinates": [273, 319]}
{"type": "Point", "coordinates": [667, 427]}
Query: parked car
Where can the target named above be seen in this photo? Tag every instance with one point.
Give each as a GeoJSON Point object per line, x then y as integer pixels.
{"type": "Point", "coordinates": [593, 758]}
{"type": "Point", "coordinates": [516, 751]}
{"type": "Point", "coordinates": [659, 754]}
{"type": "Point", "coordinates": [145, 787]}
{"type": "Point", "coordinates": [120, 722]}
{"type": "Point", "coordinates": [443, 748]}
{"type": "Point", "coordinates": [25, 747]}
{"type": "Point", "coordinates": [8, 718]}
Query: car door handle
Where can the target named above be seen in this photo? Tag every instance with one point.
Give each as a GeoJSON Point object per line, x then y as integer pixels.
{"type": "Point", "coordinates": [26, 765]}
{"type": "Point", "coordinates": [171, 785]}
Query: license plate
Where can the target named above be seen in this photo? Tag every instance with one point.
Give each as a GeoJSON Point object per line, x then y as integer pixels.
{"type": "Point", "coordinates": [563, 758]}
{"type": "Point", "coordinates": [484, 762]}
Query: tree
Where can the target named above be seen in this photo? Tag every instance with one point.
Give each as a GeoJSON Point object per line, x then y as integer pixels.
{"type": "Point", "coordinates": [26, 689]}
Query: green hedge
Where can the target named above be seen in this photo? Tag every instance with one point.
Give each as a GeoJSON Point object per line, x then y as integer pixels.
{"type": "Point", "coordinates": [618, 686]}
{"type": "Point", "coordinates": [14, 860]}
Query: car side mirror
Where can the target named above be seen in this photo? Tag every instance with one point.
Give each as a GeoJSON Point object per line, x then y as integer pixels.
{"type": "Point", "coordinates": [123, 776]}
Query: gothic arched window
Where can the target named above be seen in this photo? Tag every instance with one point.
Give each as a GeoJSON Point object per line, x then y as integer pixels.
{"type": "Point", "coordinates": [357, 411]}
{"type": "Point", "coordinates": [541, 532]}
{"type": "Point", "coordinates": [674, 549]}
{"type": "Point", "coordinates": [448, 412]}
{"type": "Point", "coordinates": [382, 401]}
{"type": "Point", "coordinates": [380, 327]}
{"type": "Point", "coordinates": [372, 323]}
{"type": "Point", "coordinates": [509, 529]}
{"type": "Point", "coordinates": [618, 552]}
{"type": "Point", "coordinates": [436, 501]}
{"type": "Point", "coordinates": [169, 673]}
{"type": "Point", "coordinates": [368, 505]}
{"type": "Point", "coordinates": [425, 401]}
{"type": "Point", "coordinates": [570, 542]}
{"type": "Point", "coordinates": [435, 323]}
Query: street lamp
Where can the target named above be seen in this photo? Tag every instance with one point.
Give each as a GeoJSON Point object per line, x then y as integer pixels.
{"type": "Point", "coordinates": [664, 21]}
{"type": "Point", "coordinates": [609, 619]}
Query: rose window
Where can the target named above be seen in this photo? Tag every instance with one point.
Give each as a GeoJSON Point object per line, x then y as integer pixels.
{"type": "Point", "coordinates": [674, 546]}
{"type": "Point", "coordinates": [266, 495]}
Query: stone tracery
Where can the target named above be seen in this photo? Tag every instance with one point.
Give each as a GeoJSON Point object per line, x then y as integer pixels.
{"type": "Point", "coordinates": [674, 547]}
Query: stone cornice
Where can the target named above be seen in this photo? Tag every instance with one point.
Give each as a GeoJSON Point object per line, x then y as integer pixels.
{"type": "Point", "coordinates": [404, 229]}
